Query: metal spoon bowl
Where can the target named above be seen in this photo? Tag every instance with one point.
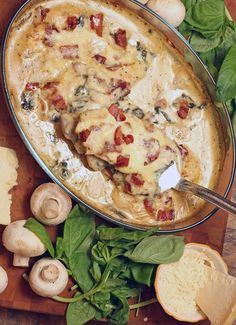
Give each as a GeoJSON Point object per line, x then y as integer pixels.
{"type": "Point", "coordinates": [171, 178]}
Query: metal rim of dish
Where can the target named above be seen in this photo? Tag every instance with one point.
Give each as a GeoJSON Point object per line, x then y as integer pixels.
{"type": "Point", "coordinates": [55, 179]}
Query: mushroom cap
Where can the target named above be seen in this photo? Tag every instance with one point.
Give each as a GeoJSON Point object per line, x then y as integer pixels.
{"type": "Point", "coordinates": [3, 279]}
{"type": "Point", "coordinates": [171, 10]}
{"type": "Point", "coordinates": [21, 241]}
{"type": "Point", "coordinates": [54, 271]}
{"type": "Point", "coordinates": [50, 204]}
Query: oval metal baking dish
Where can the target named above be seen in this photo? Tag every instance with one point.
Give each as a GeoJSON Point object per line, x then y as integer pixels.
{"type": "Point", "coordinates": [200, 70]}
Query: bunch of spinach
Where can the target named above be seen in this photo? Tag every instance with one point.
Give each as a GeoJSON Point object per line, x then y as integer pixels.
{"type": "Point", "coordinates": [108, 265]}
{"type": "Point", "coordinates": [211, 31]}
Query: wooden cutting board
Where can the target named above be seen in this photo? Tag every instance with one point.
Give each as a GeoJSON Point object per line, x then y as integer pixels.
{"type": "Point", "coordinates": [18, 295]}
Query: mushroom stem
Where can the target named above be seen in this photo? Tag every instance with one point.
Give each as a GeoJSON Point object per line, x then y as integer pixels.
{"type": "Point", "coordinates": [50, 208]}
{"type": "Point", "coordinates": [19, 260]}
{"type": "Point", "coordinates": [50, 273]}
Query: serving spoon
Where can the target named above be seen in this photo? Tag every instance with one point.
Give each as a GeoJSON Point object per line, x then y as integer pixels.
{"type": "Point", "coordinates": [171, 179]}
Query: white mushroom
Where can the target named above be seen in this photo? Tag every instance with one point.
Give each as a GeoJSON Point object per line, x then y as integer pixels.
{"type": "Point", "coordinates": [3, 279]}
{"type": "Point", "coordinates": [48, 277]}
{"type": "Point", "coordinates": [22, 242]}
{"type": "Point", "coordinates": [171, 10]}
{"type": "Point", "coordinates": [50, 204]}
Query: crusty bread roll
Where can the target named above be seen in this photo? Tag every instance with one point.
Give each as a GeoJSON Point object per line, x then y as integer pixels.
{"type": "Point", "coordinates": [177, 284]}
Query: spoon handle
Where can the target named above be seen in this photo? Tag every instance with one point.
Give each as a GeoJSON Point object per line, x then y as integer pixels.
{"type": "Point", "coordinates": [207, 195]}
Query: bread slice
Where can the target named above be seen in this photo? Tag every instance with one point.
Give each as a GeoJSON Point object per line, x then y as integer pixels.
{"type": "Point", "coordinates": [177, 284]}
{"type": "Point", "coordinates": [217, 298]}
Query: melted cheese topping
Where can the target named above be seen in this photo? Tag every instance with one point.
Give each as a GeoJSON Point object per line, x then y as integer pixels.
{"type": "Point", "coordinates": [61, 73]}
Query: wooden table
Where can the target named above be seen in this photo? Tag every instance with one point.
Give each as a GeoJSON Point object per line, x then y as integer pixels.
{"type": "Point", "coordinates": [13, 317]}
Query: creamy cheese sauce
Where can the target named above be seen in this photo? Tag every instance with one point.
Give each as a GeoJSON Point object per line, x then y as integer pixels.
{"type": "Point", "coordinates": [67, 63]}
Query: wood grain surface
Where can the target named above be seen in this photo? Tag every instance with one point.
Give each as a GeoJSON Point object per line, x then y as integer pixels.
{"type": "Point", "coordinates": [18, 295]}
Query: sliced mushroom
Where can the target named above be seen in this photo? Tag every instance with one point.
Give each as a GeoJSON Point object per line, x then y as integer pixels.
{"type": "Point", "coordinates": [22, 242]}
{"type": "Point", "coordinates": [50, 204]}
{"type": "Point", "coordinates": [48, 277]}
{"type": "Point", "coordinates": [3, 279]}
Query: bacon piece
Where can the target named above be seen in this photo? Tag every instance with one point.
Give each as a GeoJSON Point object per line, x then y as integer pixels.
{"type": "Point", "coordinates": [183, 151]}
{"type": "Point", "coordinates": [150, 143]}
{"type": "Point", "coordinates": [31, 86]}
{"type": "Point", "coordinates": [168, 148]}
{"type": "Point", "coordinates": [44, 12]}
{"type": "Point", "coordinates": [183, 109]}
{"type": "Point", "coordinates": [121, 138]}
{"type": "Point", "coordinates": [122, 161]}
{"type": "Point", "coordinates": [151, 157]}
{"type": "Point", "coordinates": [118, 114]}
{"type": "Point", "coordinates": [127, 187]}
{"type": "Point", "coordinates": [96, 23]}
{"type": "Point", "coordinates": [161, 103]}
{"type": "Point", "coordinates": [70, 51]}
{"type": "Point", "coordinates": [71, 22]}
{"type": "Point", "coordinates": [120, 38]}
{"type": "Point", "coordinates": [168, 215]}
{"type": "Point", "coordinates": [40, 15]}
{"type": "Point", "coordinates": [116, 67]}
{"type": "Point", "coordinates": [128, 139]}
{"type": "Point", "coordinates": [120, 84]}
{"type": "Point", "coordinates": [49, 29]}
{"type": "Point", "coordinates": [59, 102]}
{"type": "Point", "coordinates": [153, 150]}
{"type": "Point", "coordinates": [137, 179]}
{"type": "Point", "coordinates": [110, 147]}
{"type": "Point", "coordinates": [148, 206]}
{"type": "Point", "coordinates": [48, 39]}
{"type": "Point", "coordinates": [101, 59]}
{"type": "Point", "coordinates": [83, 135]}
{"type": "Point", "coordinates": [51, 85]}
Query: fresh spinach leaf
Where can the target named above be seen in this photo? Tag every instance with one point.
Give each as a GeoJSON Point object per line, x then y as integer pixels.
{"type": "Point", "coordinates": [96, 271]}
{"type": "Point", "coordinates": [80, 265]}
{"type": "Point", "coordinates": [127, 291]}
{"type": "Point", "coordinates": [143, 273]}
{"type": "Point", "coordinates": [111, 284]}
{"type": "Point", "coordinates": [234, 122]}
{"type": "Point", "coordinates": [100, 253]}
{"type": "Point", "coordinates": [207, 17]}
{"type": "Point", "coordinates": [189, 3]}
{"type": "Point", "coordinates": [209, 59]}
{"type": "Point", "coordinates": [202, 44]}
{"type": "Point", "coordinates": [231, 105]}
{"type": "Point", "coordinates": [226, 83]}
{"type": "Point", "coordinates": [185, 29]}
{"type": "Point", "coordinates": [121, 238]}
{"type": "Point", "coordinates": [79, 231]}
{"type": "Point", "coordinates": [59, 248]}
{"type": "Point", "coordinates": [158, 250]}
{"type": "Point", "coordinates": [38, 229]}
{"type": "Point", "coordinates": [103, 302]}
{"type": "Point", "coordinates": [107, 233]}
{"type": "Point", "coordinates": [139, 273]}
{"type": "Point", "coordinates": [121, 315]}
{"type": "Point", "coordinates": [80, 313]}
{"type": "Point", "coordinates": [228, 40]}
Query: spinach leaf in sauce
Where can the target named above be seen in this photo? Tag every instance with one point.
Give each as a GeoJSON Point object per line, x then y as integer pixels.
{"type": "Point", "coordinates": [142, 52]}
{"type": "Point", "coordinates": [138, 112]}
{"type": "Point", "coordinates": [27, 101]}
